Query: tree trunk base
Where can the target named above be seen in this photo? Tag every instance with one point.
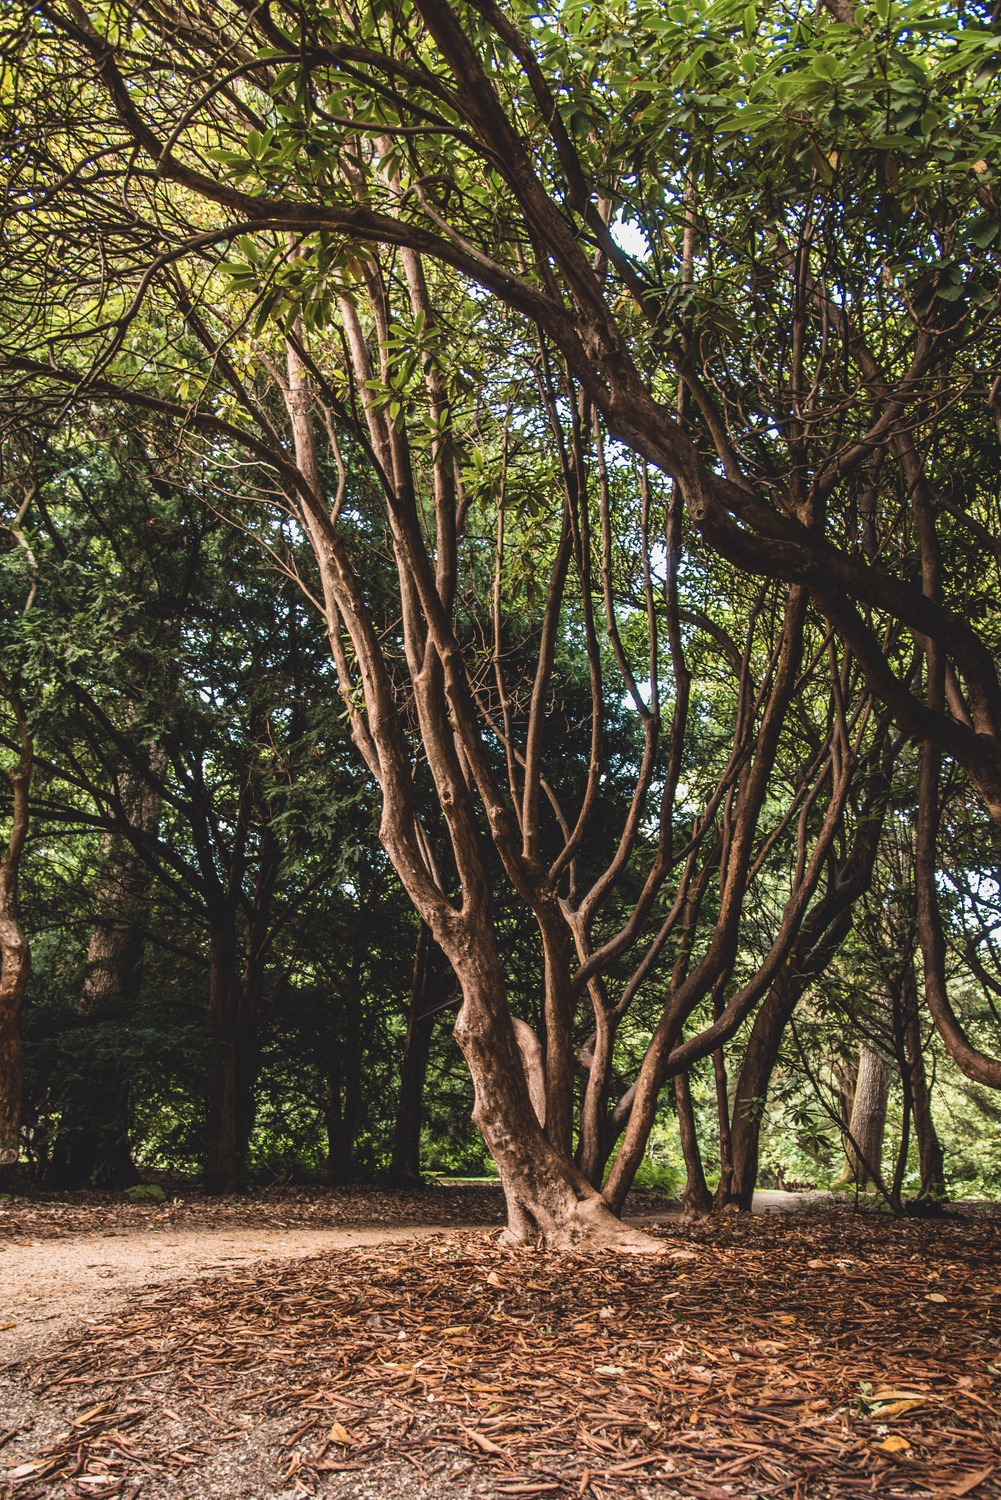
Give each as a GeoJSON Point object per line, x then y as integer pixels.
{"type": "Point", "coordinates": [696, 1202]}
{"type": "Point", "coordinates": [406, 1181]}
{"type": "Point", "coordinates": [590, 1225]}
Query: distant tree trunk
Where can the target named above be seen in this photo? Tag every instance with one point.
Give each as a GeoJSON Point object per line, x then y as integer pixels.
{"type": "Point", "coordinates": [868, 1119]}
{"type": "Point", "coordinates": [234, 1019]}
{"type": "Point", "coordinates": [337, 1153]}
{"type": "Point", "coordinates": [252, 1013]}
{"type": "Point", "coordinates": [15, 964]}
{"type": "Point", "coordinates": [236, 1005]}
{"type": "Point", "coordinates": [344, 1089]}
{"type": "Point", "coordinates": [118, 941]}
{"type": "Point", "coordinates": [930, 1155]}
{"type": "Point", "coordinates": [696, 1199]}
{"type": "Point", "coordinates": [224, 1166]}
{"type": "Point", "coordinates": [93, 1147]}
{"type": "Point", "coordinates": [430, 979]}
{"type": "Point", "coordinates": [234, 1023]}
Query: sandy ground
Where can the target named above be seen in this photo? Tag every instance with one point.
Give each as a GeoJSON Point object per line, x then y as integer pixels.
{"type": "Point", "coordinates": [54, 1287]}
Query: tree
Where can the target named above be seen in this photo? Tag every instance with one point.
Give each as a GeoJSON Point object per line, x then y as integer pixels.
{"type": "Point", "coordinates": [824, 929]}
{"type": "Point", "coordinates": [178, 721]}
{"type": "Point", "coordinates": [337, 210]}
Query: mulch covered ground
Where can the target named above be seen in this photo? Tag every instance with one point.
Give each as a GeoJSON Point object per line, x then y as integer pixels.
{"type": "Point", "coordinates": [809, 1355]}
{"type": "Point", "coordinates": [48, 1215]}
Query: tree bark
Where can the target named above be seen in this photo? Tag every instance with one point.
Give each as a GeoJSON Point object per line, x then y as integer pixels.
{"type": "Point", "coordinates": [724, 1187]}
{"type": "Point", "coordinates": [338, 1150]}
{"type": "Point", "coordinates": [15, 967]}
{"type": "Point", "coordinates": [236, 1002]}
{"type": "Point", "coordinates": [822, 933]}
{"type": "Point", "coordinates": [868, 1121]}
{"type": "Point", "coordinates": [756, 1070]}
{"type": "Point", "coordinates": [906, 1104]}
{"type": "Point", "coordinates": [223, 1168]}
{"type": "Point", "coordinates": [761, 1053]}
{"type": "Point", "coordinates": [118, 941]}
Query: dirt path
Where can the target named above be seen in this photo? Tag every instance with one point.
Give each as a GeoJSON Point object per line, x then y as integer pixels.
{"type": "Point", "coordinates": [53, 1287]}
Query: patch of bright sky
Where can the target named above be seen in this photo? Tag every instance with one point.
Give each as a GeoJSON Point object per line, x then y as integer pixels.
{"type": "Point", "coordinates": [630, 238]}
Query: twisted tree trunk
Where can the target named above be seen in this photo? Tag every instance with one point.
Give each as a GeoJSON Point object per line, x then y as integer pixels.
{"type": "Point", "coordinates": [547, 1197]}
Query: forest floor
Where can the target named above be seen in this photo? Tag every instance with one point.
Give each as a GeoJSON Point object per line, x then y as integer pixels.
{"type": "Point", "coordinates": [66, 1259]}
{"type": "Point", "coordinates": [364, 1345]}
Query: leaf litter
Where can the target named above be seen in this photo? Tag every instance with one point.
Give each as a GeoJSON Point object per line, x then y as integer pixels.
{"type": "Point", "coordinates": [795, 1356]}
{"type": "Point", "coordinates": [44, 1215]}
